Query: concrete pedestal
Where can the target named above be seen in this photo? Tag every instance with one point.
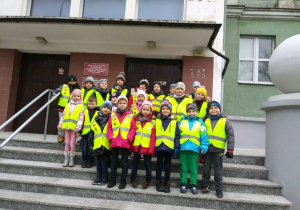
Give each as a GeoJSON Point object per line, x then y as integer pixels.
{"type": "Point", "coordinates": [283, 143]}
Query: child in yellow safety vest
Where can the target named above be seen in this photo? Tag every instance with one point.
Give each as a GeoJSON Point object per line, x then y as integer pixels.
{"type": "Point", "coordinates": [167, 143]}
{"type": "Point", "coordinates": [137, 106]}
{"type": "Point", "coordinates": [71, 121]}
{"type": "Point", "coordinates": [89, 115]}
{"type": "Point", "coordinates": [98, 141]}
{"type": "Point", "coordinates": [88, 90]}
{"type": "Point", "coordinates": [120, 132]}
{"type": "Point", "coordinates": [156, 97]}
{"type": "Point", "coordinates": [220, 132]}
{"type": "Point", "coordinates": [102, 93]}
{"type": "Point", "coordinates": [144, 143]}
{"type": "Point", "coordinates": [172, 91]}
{"type": "Point", "coordinates": [201, 102]}
{"type": "Point", "coordinates": [193, 142]}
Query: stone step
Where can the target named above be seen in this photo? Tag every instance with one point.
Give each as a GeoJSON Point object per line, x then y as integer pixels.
{"type": "Point", "coordinates": [83, 188]}
{"type": "Point", "coordinates": [35, 168]}
{"type": "Point", "coordinates": [43, 155]}
{"type": "Point", "coordinates": [241, 156]}
{"type": "Point", "coordinates": [26, 200]}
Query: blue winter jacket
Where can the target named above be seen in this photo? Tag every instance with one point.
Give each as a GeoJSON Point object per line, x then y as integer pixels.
{"type": "Point", "coordinates": [189, 145]}
{"type": "Point", "coordinates": [164, 148]}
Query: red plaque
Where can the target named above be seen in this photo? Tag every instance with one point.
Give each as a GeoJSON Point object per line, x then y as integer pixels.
{"type": "Point", "coordinates": [96, 69]}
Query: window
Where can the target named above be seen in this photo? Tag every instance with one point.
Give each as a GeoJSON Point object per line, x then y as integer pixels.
{"type": "Point", "coordinates": [160, 9]}
{"type": "Point", "coordinates": [254, 59]}
{"type": "Point", "coordinates": [53, 8]}
{"type": "Point", "coordinates": [104, 9]}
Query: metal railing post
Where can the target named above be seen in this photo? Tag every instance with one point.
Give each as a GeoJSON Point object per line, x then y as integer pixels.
{"type": "Point", "coordinates": [47, 115]}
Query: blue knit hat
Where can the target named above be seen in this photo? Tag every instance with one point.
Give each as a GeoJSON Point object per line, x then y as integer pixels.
{"type": "Point", "coordinates": [173, 85]}
{"type": "Point", "coordinates": [107, 104]}
{"type": "Point", "coordinates": [196, 84]}
{"type": "Point", "coordinates": [167, 104]}
{"type": "Point", "coordinates": [191, 106]}
{"type": "Point", "coordinates": [215, 103]}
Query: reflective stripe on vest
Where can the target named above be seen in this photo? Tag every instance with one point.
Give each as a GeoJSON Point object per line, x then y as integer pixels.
{"type": "Point", "coordinates": [135, 110]}
{"type": "Point", "coordinates": [65, 96]}
{"type": "Point", "coordinates": [100, 138]}
{"type": "Point", "coordinates": [202, 113]}
{"type": "Point", "coordinates": [70, 121]}
{"type": "Point", "coordinates": [165, 136]}
{"type": "Point", "coordinates": [134, 97]}
{"type": "Point", "coordinates": [143, 135]}
{"type": "Point", "coordinates": [186, 134]}
{"type": "Point", "coordinates": [86, 98]}
{"type": "Point", "coordinates": [123, 93]}
{"type": "Point", "coordinates": [100, 99]}
{"type": "Point", "coordinates": [123, 127]}
{"type": "Point", "coordinates": [179, 111]}
{"type": "Point", "coordinates": [156, 102]}
{"type": "Point", "coordinates": [216, 137]}
{"type": "Point", "coordinates": [87, 121]}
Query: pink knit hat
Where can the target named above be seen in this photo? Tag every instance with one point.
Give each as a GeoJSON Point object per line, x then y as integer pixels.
{"type": "Point", "coordinates": [147, 103]}
{"type": "Point", "coordinates": [78, 92]}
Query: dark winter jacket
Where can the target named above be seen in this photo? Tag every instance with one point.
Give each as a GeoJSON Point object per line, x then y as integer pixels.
{"type": "Point", "coordinates": [101, 120]}
{"type": "Point", "coordinates": [119, 91]}
{"type": "Point", "coordinates": [164, 148]}
{"type": "Point", "coordinates": [229, 134]}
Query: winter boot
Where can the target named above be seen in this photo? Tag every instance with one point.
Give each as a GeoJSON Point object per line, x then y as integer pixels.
{"type": "Point", "coordinates": [112, 182]}
{"type": "Point", "coordinates": [97, 180]}
{"type": "Point", "coordinates": [61, 139]}
{"type": "Point", "coordinates": [167, 187]}
{"type": "Point", "coordinates": [89, 163]}
{"type": "Point", "coordinates": [194, 189]}
{"type": "Point", "coordinates": [122, 184]}
{"type": "Point", "coordinates": [219, 193]}
{"type": "Point", "coordinates": [145, 185]}
{"type": "Point", "coordinates": [183, 188]}
{"type": "Point", "coordinates": [104, 180]}
{"type": "Point", "coordinates": [159, 186]}
{"type": "Point", "coordinates": [67, 158]}
{"type": "Point", "coordinates": [84, 164]}
{"type": "Point", "coordinates": [72, 158]}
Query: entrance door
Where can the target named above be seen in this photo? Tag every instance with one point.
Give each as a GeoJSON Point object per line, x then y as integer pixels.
{"type": "Point", "coordinates": [38, 73]}
{"type": "Point", "coordinates": [166, 71]}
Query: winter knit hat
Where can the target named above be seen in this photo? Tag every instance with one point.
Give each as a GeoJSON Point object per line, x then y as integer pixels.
{"type": "Point", "coordinates": [78, 92]}
{"type": "Point", "coordinates": [167, 104]}
{"type": "Point", "coordinates": [196, 84]}
{"type": "Point", "coordinates": [90, 79]}
{"type": "Point", "coordinates": [114, 95]}
{"type": "Point", "coordinates": [121, 76]}
{"type": "Point", "coordinates": [107, 104]}
{"type": "Point", "coordinates": [147, 103]}
{"type": "Point", "coordinates": [145, 82]}
{"type": "Point", "coordinates": [180, 85]}
{"type": "Point", "coordinates": [157, 83]}
{"type": "Point", "coordinates": [102, 80]}
{"type": "Point", "coordinates": [72, 77]}
{"type": "Point", "coordinates": [141, 92]}
{"type": "Point", "coordinates": [202, 90]}
{"type": "Point", "coordinates": [191, 106]}
{"type": "Point", "coordinates": [172, 85]}
{"type": "Point", "coordinates": [122, 98]}
{"type": "Point", "coordinates": [215, 103]}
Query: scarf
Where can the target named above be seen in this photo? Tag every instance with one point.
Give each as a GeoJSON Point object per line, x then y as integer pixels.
{"type": "Point", "coordinates": [216, 117]}
{"type": "Point", "coordinates": [199, 104]}
{"type": "Point", "coordinates": [157, 93]}
{"type": "Point", "coordinates": [144, 119]}
{"type": "Point", "coordinates": [120, 111]}
{"type": "Point", "coordinates": [102, 119]}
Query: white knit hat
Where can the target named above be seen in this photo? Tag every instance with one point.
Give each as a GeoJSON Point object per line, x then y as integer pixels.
{"type": "Point", "coordinates": [140, 92]}
{"type": "Point", "coordinates": [122, 97]}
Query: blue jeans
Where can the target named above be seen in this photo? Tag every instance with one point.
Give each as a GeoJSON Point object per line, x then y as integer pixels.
{"type": "Point", "coordinates": [135, 166]}
{"type": "Point", "coordinates": [102, 165]}
{"type": "Point", "coordinates": [114, 162]}
{"type": "Point", "coordinates": [87, 152]}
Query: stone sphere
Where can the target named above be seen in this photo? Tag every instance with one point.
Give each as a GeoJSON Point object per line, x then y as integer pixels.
{"type": "Point", "coordinates": [284, 65]}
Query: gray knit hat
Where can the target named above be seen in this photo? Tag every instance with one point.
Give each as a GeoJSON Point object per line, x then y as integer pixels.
{"type": "Point", "coordinates": [107, 104]}
{"type": "Point", "coordinates": [172, 85]}
{"type": "Point", "coordinates": [180, 85]}
{"type": "Point", "coordinates": [90, 79]}
{"type": "Point", "coordinates": [102, 80]}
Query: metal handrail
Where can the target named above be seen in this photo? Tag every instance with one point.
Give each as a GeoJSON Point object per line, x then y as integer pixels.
{"type": "Point", "coordinates": [49, 91]}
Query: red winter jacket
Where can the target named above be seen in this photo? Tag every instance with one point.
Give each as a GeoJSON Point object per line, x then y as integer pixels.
{"type": "Point", "coordinates": [151, 149]}
{"type": "Point", "coordinates": [119, 141]}
{"type": "Point", "coordinates": [130, 101]}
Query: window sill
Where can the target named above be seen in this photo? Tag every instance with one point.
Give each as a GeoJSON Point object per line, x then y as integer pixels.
{"type": "Point", "coordinates": [256, 83]}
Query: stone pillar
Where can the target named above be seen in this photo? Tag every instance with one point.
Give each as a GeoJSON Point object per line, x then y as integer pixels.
{"type": "Point", "coordinates": [283, 120]}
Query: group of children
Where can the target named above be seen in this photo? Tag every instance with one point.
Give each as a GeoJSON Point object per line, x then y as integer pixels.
{"type": "Point", "coordinates": [115, 121]}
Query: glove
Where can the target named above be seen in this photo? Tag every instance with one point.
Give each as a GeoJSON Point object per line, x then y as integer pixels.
{"type": "Point", "coordinates": [176, 151]}
{"type": "Point", "coordinates": [229, 154]}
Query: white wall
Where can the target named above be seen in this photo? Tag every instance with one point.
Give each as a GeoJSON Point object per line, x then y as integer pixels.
{"type": "Point", "coordinates": [15, 7]}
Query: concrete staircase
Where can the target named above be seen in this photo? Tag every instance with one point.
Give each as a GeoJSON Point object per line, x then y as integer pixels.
{"type": "Point", "coordinates": [31, 176]}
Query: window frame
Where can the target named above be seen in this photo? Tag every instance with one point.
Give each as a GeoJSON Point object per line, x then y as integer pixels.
{"type": "Point", "coordinates": [255, 59]}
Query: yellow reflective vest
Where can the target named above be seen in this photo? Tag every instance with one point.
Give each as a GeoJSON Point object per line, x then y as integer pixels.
{"type": "Point", "coordinates": [156, 102]}
{"type": "Point", "coordinates": [70, 121]}
{"type": "Point", "coordinates": [202, 113]}
{"type": "Point", "coordinates": [100, 138]}
{"type": "Point", "coordinates": [87, 122]}
{"type": "Point", "coordinates": [123, 127]}
{"type": "Point", "coordinates": [143, 135]}
{"type": "Point", "coordinates": [178, 111]}
{"type": "Point", "coordinates": [186, 134]}
{"type": "Point", "coordinates": [65, 95]}
{"type": "Point", "coordinates": [100, 99]}
{"type": "Point", "coordinates": [134, 110]}
{"type": "Point", "coordinates": [216, 137]}
{"type": "Point", "coordinates": [134, 97]}
{"type": "Point", "coordinates": [123, 92]}
{"type": "Point", "coordinates": [165, 136]}
{"type": "Point", "coordinates": [86, 98]}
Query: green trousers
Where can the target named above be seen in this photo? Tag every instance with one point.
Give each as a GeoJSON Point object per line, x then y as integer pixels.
{"type": "Point", "coordinates": [188, 162]}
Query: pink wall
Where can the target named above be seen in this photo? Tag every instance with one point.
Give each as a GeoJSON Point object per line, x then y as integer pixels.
{"type": "Point", "coordinates": [117, 63]}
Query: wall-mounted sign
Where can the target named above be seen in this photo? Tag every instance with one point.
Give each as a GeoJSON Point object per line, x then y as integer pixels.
{"type": "Point", "coordinates": [61, 71]}
{"type": "Point", "coordinates": [164, 83]}
{"type": "Point", "coordinates": [96, 69]}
